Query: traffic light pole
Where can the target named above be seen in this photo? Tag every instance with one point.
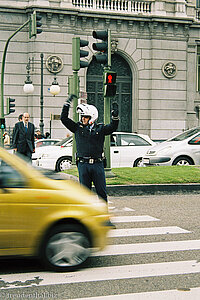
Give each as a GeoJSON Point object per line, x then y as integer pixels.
{"type": "Point", "coordinates": [75, 88]}
{"type": "Point", "coordinates": [41, 94]}
{"type": "Point", "coordinates": [107, 138]}
{"type": "Point", "coordinates": [2, 74]}
{"type": "Point", "coordinates": [108, 172]}
{"type": "Point", "coordinates": [77, 53]}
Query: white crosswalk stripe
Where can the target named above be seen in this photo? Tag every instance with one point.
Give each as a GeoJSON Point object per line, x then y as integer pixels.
{"type": "Point", "coordinates": [190, 294]}
{"type": "Point", "coordinates": [125, 219]}
{"type": "Point", "coordinates": [105, 273]}
{"type": "Point", "coordinates": [139, 248]}
{"type": "Point", "coordinates": [146, 231]}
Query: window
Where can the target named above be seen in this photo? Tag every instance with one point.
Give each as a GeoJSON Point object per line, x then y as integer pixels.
{"type": "Point", "coordinates": [133, 140]}
{"type": "Point", "coordinates": [9, 177]}
{"type": "Point", "coordinates": [195, 140]}
{"type": "Point", "coordinates": [185, 135]}
{"type": "Point", "coordinates": [113, 140]}
{"type": "Point", "coordinates": [64, 141]}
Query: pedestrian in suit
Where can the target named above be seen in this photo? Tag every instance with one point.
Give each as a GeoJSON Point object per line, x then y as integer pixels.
{"type": "Point", "coordinates": [23, 138]}
{"type": "Point", "coordinates": [20, 119]}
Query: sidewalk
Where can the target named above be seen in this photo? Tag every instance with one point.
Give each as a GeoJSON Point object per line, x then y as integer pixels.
{"type": "Point", "coordinates": [153, 189]}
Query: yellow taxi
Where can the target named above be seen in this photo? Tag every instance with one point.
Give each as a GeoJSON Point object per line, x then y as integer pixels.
{"type": "Point", "coordinates": [58, 221]}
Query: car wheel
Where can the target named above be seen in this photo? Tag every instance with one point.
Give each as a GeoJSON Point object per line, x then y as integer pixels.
{"type": "Point", "coordinates": [138, 162]}
{"type": "Point", "coordinates": [182, 161]}
{"type": "Point", "coordinates": [63, 163]}
{"type": "Point", "coordinates": [65, 248]}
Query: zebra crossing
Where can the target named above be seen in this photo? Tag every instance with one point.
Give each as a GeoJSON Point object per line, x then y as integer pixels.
{"type": "Point", "coordinates": [191, 294]}
{"type": "Point", "coordinates": [127, 271]}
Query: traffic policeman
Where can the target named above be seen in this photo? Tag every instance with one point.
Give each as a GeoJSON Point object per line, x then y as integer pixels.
{"type": "Point", "coordinates": [90, 137]}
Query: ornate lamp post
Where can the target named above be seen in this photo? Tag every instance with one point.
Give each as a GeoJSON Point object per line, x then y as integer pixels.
{"type": "Point", "coordinates": [54, 65]}
{"type": "Point", "coordinates": [28, 87]}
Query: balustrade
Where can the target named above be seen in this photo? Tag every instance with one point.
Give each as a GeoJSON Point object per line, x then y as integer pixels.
{"type": "Point", "coordinates": [132, 6]}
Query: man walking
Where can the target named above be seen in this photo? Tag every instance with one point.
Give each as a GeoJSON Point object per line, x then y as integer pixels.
{"type": "Point", "coordinates": [89, 138]}
{"type": "Point", "coordinates": [23, 137]}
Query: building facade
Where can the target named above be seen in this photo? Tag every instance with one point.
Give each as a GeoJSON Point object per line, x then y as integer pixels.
{"type": "Point", "coordinates": [155, 52]}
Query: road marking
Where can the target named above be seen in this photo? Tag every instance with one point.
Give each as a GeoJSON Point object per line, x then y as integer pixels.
{"type": "Point", "coordinates": [146, 231]}
{"type": "Point", "coordinates": [127, 209]}
{"type": "Point", "coordinates": [191, 294]}
{"type": "Point", "coordinates": [125, 249]}
{"type": "Point", "coordinates": [127, 219]}
{"type": "Point", "coordinates": [99, 274]}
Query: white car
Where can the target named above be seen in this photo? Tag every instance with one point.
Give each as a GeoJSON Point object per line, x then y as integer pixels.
{"type": "Point", "coordinates": [46, 142]}
{"type": "Point", "coordinates": [183, 149]}
{"type": "Point", "coordinates": [127, 150]}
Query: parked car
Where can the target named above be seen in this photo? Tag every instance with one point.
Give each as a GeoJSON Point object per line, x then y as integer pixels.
{"type": "Point", "coordinates": [46, 142]}
{"type": "Point", "coordinates": [183, 149]}
{"type": "Point", "coordinates": [127, 150]}
{"type": "Point", "coordinates": [58, 221]}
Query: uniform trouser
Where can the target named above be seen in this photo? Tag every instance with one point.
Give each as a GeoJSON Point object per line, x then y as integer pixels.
{"type": "Point", "coordinates": [89, 173]}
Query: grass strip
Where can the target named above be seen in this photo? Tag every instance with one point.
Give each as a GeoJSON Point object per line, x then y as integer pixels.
{"type": "Point", "coordinates": [151, 175]}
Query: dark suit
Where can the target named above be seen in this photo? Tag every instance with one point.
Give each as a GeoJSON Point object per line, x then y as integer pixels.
{"type": "Point", "coordinates": [23, 140]}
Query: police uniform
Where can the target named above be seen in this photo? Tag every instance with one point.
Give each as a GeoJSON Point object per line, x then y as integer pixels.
{"type": "Point", "coordinates": [89, 144]}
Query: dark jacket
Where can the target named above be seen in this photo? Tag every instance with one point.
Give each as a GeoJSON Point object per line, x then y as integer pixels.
{"type": "Point", "coordinates": [23, 139]}
{"type": "Point", "coordinates": [89, 143]}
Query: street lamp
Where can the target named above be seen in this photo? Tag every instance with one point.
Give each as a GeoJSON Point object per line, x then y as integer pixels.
{"type": "Point", "coordinates": [54, 89]}
{"type": "Point", "coordinates": [28, 88]}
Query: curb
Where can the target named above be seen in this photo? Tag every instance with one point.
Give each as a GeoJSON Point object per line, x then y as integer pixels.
{"type": "Point", "coordinates": [153, 189]}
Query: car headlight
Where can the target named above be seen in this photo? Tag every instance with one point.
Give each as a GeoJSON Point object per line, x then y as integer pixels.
{"type": "Point", "coordinates": [164, 150]}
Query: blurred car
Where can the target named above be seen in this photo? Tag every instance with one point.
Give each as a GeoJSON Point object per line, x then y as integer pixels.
{"type": "Point", "coordinates": [46, 142]}
{"type": "Point", "coordinates": [127, 150]}
{"type": "Point", "coordinates": [183, 149]}
{"type": "Point", "coordinates": [56, 175]}
{"type": "Point", "coordinates": [58, 221]}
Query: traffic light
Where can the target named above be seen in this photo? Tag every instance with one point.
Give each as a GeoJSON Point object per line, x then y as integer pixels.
{"type": "Point", "coordinates": [77, 53]}
{"type": "Point", "coordinates": [35, 24]}
{"type": "Point", "coordinates": [9, 105]}
{"type": "Point", "coordinates": [110, 84]}
{"type": "Point", "coordinates": [104, 48]}
{"type": "Point", "coordinates": [2, 123]}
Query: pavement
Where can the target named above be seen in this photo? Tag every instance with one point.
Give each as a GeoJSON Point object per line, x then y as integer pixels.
{"type": "Point", "coordinates": [153, 189]}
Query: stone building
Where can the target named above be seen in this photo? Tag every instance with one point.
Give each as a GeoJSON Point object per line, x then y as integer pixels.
{"type": "Point", "coordinates": [156, 54]}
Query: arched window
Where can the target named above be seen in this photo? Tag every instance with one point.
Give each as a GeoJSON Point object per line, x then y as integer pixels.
{"type": "Point", "coordinates": [124, 90]}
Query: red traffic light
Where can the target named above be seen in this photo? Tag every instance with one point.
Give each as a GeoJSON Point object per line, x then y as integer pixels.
{"type": "Point", "coordinates": [110, 77]}
{"type": "Point", "coordinates": [110, 87]}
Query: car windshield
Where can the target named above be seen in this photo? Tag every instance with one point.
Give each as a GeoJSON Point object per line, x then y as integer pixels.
{"type": "Point", "coordinates": [185, 135]}
{"type": "Point", "coordinates": [63, 141]}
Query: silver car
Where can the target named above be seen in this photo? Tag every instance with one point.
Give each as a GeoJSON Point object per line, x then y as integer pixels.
{"type": "Point", "coordinates": [183, 149]}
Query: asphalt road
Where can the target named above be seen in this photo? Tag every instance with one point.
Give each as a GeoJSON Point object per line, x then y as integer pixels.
{"type": "Point", "coordinates": [154, 253]}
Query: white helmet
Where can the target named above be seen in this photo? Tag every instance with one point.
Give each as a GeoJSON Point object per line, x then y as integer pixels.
{"type": "Point", "coordinates": [88, 110]}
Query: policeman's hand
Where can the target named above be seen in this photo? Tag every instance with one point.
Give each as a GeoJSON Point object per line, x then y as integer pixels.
{"type": "Point", "coordinates": [115, 111]}
{"type": "Point", "coordinates": [69, 99]}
